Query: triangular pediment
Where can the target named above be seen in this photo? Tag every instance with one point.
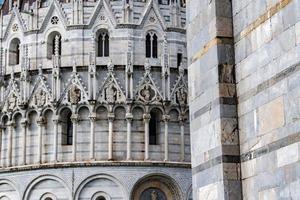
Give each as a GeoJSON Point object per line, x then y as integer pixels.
{"type": "Point", "coordinates": [41, 94]}
{"type": "Point", "coordinates": [54, 9]}
{"type": "Point", "coordinates": [147, 91]}
{"type": "Point", "coordinates": [16, 24]}
{"type": "Point", "coordinates": [110, 91]}
{"type": "Point", "coordinates": [12, 97]}
{"type": "Point", "coordinates": [102, 14]}
{"type": "Point", "coordinates": [75, 91]}
{"type": "Point", "coordinates": [152, 15]}
{"type": "Point", "coordinates": [179, 93]}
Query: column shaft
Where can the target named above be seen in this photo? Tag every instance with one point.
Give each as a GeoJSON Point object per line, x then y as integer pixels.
{"type": "Point", "coordinates": [182, 145]}
{"type": "Point", "coordinates": [110, 136]}
{"type": "Point", "coordinates": [92, 139]}
{"type": "Point", "coordinates": [129, 120]}
{"type": "Point", "coordinates": [55, 140]}
{"type": "Point", "coordinates": [24, 144]}
{"type": "Point", "coordinates": [146, 123]}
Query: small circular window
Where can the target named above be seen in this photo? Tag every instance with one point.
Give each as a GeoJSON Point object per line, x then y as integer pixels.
{"type": "Point", "coordinates": [54, 20]}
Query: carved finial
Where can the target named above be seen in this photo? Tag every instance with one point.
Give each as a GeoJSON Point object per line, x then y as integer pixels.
{"type": "Point", "coordinates": [110, 66]}
{"type": "Point", "coordinates": [12, 75]}
{"type": "Point", "coordinates": [40, 69]}
{"type": "Point", "coordinates": [56, 45]}
{"type": "Point", "coordinates": [181, 69]}
{"type": "Point", "coordinates": [147, 66]}
{"type": "Point", "coordinates": [74, 66]}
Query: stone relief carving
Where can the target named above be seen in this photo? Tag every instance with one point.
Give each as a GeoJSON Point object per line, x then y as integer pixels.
{"type": "Point", "coordinates": [74, 95]}
{"type": "Point", "coordinates": [111, 92]}
{"type": "Point", "coordinates": [147, 92]}
{"type": "Point", "coordinates": [40, 98]}
{"type": "Point", "coordinates": [12, 101]}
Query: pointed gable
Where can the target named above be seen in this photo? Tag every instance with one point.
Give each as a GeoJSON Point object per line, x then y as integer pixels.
{"type": "Point", "coordinates": [110, 91]}
{"type": "Point", "coordinates": [147, 92]}
{"type": "Point", "coordinates": [12, 97]}
{"type": "Point", "coordinates": [102, 9]}
{"type": "Point", "coordinates": [75, 91]}
{"type": "Point", "coordinates": [15, 24]}
{"type": "Point", "coordinates": [179, 92]}
{"type": "Point", "coordinates": [54, 9]}
{"type": "Point", "coordinates": [152, 15]}
{"type": "Point", "coordinates": [41, 94]}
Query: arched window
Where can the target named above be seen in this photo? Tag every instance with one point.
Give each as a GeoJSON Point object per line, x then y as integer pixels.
{"type": "Point", "coordinates": [54, 45]}
{"type": "Point", "coordinates": [14, 52]}
{"type": "Point", "coordinates": [67, 127]}
{"type": "Point", "coordinates": [153, 133]}
{"type": "Point", "coordinates": [103, 44]}
{"type": "Point", "coordinates": [151, 45]}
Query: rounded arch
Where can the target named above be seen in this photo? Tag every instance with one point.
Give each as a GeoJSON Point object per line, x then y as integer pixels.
{"type": "Point", "coordinates": [41, 179]}
{"type": "Point", "coordinates": [14, 50]}
{"type": "Point", "coordinates": [46, 110]}
{"type": "Point", "coordinates": [100, 106]}
{"type": "Point", "coordinates": [100, 177]}
{"type": "Point", "coordinates": [15, 114]}
{"type": "Point", "coordinates": [159, 181]}
{"type": "Point", "coordinates": [30, 112]}
{"type": "Point", "coordinates": [157, 108]}
{"type": "Point", "coordinates": [158, 30]}
{"type": "Point", "coordinates": [4, 119]}
{"type": "Point", "coordinates": [54, 39]}
{"type": "Point", "coordinates": [83, 106]}
{"type": "Point", "coordinates": [60, 110]}
{"type": "Point", "coordinates": [12, 186]}
{"type": "Point", "coordinates": [119, 106]}
{"type": "Point", "coordinates": [138, 107]}
{"type": "Point", "coordinates": [96, 29]}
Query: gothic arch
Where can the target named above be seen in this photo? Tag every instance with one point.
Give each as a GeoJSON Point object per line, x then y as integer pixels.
{"type": "Point", "coordinates": [92, 178]}
{"type": "Point", "coordinates": [160, 181]}
{"type": "Point", "coordinates": [43, 178]}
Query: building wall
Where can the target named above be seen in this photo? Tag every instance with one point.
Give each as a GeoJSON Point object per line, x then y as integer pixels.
{"type": "Point", "coordinates": [104, 97]}
{"type": "Point", "coordinates": [115, 181]}
{"type": "Point", "coordinates": [267, 61]}
{"type": "Point", "coordinates": [263, 68]}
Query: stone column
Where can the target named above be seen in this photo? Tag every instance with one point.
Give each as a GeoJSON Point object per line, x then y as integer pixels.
{"type": "Point", "coordinates": [182, 144]}
{"type": "Point", "coordinates": [74, 119]}
{"type": "Point", "coordinates": [40, 123]}
{"type": "Point", "coordinates": [55, 138]}
{"type": "Point", "coordinates": [111, 118]}
{"type": "Point", "coordinates": [129, 120]}
{"type": "Point", "coordinates": [9, 143]}
{"type": "Point", "coordinates": [146, 123]}
{"type": "Point", "coordinates": [92, 139]}
{"type": "Point", "coordinates": [24, 144]}
{"type": "Point", "coordinates": [1, 134]}
{"type": "Point", "coordinates": [166, 119]}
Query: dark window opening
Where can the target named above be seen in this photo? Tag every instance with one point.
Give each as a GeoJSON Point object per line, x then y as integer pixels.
{"type": "Point", "coordinates": [179, 59]}
{"type": "Point", "coordinates": [153, 129]}
{"type": "Point", "coordinates": [14, 52]}
{"type": "Point", "coordinates": [151, 45]}
{"type": "Point", "coordinates": [154, 46]}
{"type": "Point", "coordinates": [69, 130]}
{"type": "Point", "coordinates": [103, 44]}
{"type": "Point", "coordinates": [148, 46]}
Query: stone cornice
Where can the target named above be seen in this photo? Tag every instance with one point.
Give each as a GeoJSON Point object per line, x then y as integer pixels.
{"type": "Point", "coordinates": [97, 164]}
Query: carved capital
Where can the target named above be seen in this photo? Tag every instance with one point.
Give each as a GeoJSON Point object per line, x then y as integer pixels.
{"type": "Point", "coordinates": [146, 117]}
{"type": "Point", "coordinates": [74, 118]}
{"type": "Point", "coordinates": [129, 117]}
{"type": "Point", "coordinates": [111, 117]}
{"type": "Point", "coordinates": [166, 118]}
{"type": "Point", "coordinates": [41, 121]}
{"type": "Point", "coordinates": [93, 117]}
